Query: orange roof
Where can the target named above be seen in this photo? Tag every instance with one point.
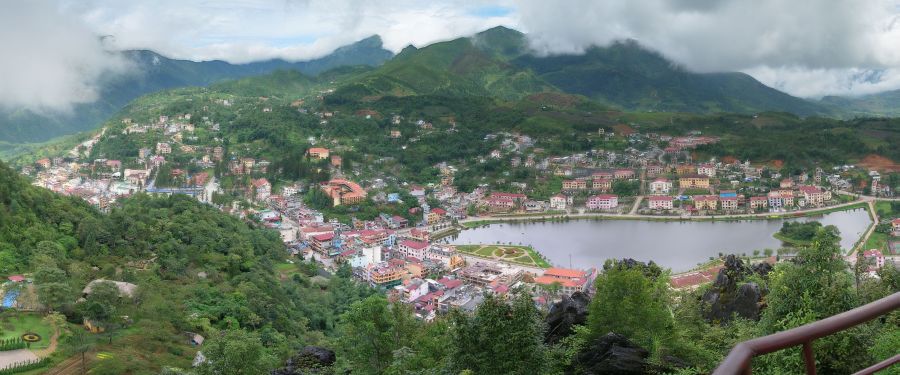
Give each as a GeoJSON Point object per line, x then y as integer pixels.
{"type": "Point", "coordinates": [563, 272]}
{"type": "Point", "coordinates": [550, 280]}
{"type": "Point", "coordinates": [317, 150]}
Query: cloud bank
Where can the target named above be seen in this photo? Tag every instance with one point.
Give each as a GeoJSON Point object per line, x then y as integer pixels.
{"type": "Point", "coordinates": [782, 43]}
{"type": "Point", "coordinates": [50, 61]}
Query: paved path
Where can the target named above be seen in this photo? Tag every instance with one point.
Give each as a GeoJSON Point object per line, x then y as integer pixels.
{"type": "Point", "coordinates": [637, 204]}
{"type": "Point", "coordinates": [11, 357]}
{"type": "Point", "coordinates": [788, 214]}
{"type": "Point", "coordinates": [865, 238]}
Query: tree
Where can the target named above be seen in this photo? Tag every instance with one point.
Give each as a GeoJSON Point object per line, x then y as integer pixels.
{"type": "Point", "coordinates": [632, 300]}
{"type": "Point", "coordinates": [371, 331]}
{"type": "Point", "coordinates": [500, 338]}
{"type": "Point", "coordinates": [101, 305]}
{"type": "Point", "coordinates": [235, 352]}
{"type": "Point", "coordinates": [80, 343]}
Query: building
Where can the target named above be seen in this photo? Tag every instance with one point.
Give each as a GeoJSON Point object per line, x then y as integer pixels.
{"type": "Point", "coordinates": [786, 183]}
{"type": "Point", "coordinates": [336, 161]}
{"type": "Point", "coordinates": [895, 226]}
{"type": "Point", "coordinates": [318, 153]}
{"type": "Point", "coordinates": [163, 148]}
{"type": "Point", "coordinates": [344, 192]}
{"type": "Point", "coordinates": [685, 169]}
{"type": "Point", "coordinates": [706, 202]}
{"type": "Point", "coordinates": [601, 184]}
{"type": "Point", "coordinates": [558, 202]}
{"type": "Point", "coordinates": [602, 202]}
{"type": "Point", "coordinates": [661, 186]}
{"type": "Point", "coordinates": [622, 174]}
{"type": "Point", "coordinates": [262, 189]}
{"type": "Point", "coordinates": [693, 181]}
{"type": "Point", "coordinates": [322, 243]}
{"type": "Point", "coordinates": [578, 184]}
{"type": "Point", "coordinates": [660, 202]}
{"type": "Point", "coordinates": [813, 195]}
{"type": "Point", "coordinates": [874, 258]}
{"type": "Point", "coordinates": [758, 203]}
{"type": "Point", "coordinates": [385, 275]}
{"type": "Point", "coordinates": [729, 203]}
{"type": "Point", "coordinates": [569, 280]}
{"type": "Point", "coordinates": [483, 274]}
{"type": "Point", "coordinates": [654, 170]}
{"type": "Point", "coordinates": [503, 202]}
{"type": "Point", "coordinates": [708, 170]}
{"type": "Point", "coordinates": [410, 248]}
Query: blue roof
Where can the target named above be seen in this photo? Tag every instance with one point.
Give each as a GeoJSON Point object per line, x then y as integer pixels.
{"type": "Point", "coordinates": [728, 195]}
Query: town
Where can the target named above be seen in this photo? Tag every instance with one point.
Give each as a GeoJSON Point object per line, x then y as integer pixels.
{"type": "Point", "coordinates": [400, 251]}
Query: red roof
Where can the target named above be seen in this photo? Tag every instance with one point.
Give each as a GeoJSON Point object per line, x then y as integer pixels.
{"type": "Point", "coordinates": [664, 198]}
{"type": "Point", "coordinates": [324, 237]}
{"type": "Point", "coordinates": [809, 189]}
{"type": "Point", "coordinates": [451, 284]}
{"type": "Point", "coordinates": [16, 278]}
{"type": "Point", "coordinates": [896, 221]}
{"type": "Point", "coordinates": [418, 245]}
{"type": "Point", "coordinates": [260, 182]}
{"type": "Point", "coordinates": [439, 211]}
{"type": "Point", "coordinates": [563, 272]}
{"type": "Point", "coordinates": [605, 196]}
{"type": "Point", "coordinates": [704, 198]}
{"type": "Point", "coordinates": [758, 199]}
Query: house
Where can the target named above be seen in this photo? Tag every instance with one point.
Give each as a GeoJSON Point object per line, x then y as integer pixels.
{"type": "Point", "coordinates": [262, 189]}
{"type": "Point", "coordinates": [558, 202]}
{"type": "Point", "coordinates": [708, 170]}
{"type": "Point", "coordinates": [578, 184]}
{"type": "Point", "coordinates": [654, 170]}
{"type": "Point", "coordinates": [813, 195]}
{"type": "Point", "coordinates": [44, 163]}
{"type": "Point", "coordinates": [685, 169]}
{"type": "Point", "coordinates": [498, 202]}
{"type": "Point", "coordinates": [693, 181]}
{"type": "Point", "coordinates": [411, 248]}
{"type": "Point", "coordinates": [601, 184]}
{"type": "Point", "coordinates": [729, 203]}
{"type": "Point", "coordinates": [786, 183]}
{"type": "Point", "coordinates": [163, 148]}
{"type": "Point", "coordinates": [757, 203]}
{"type": "Point", "coordinates": [344, 192]}
{"type": "Point", "coordinates": [318, 153]}
{"type": "Point", "coordinates": [660, 202]}
{"type": "Point", "coordinates": [602, 202]}
{"type": "Point", "coordinates": [706, 202]}
{"type": "Point", "coordinates": [395, 134]}
{"type": "Point", "coordinates": [336, 161]}
{"type": "Point", "coordinates": [661, 186]}
{"type": "Point", "coordinates": [874, 258]}
{"type": "Point", "coordinates": [435, 215]}
{"type": "Point", "coordinates": [322, 243]}
{"type": "Point", "coordinates": [125, 289]}
{"type": "Point", "coordinates": [622, 174]}
{"type": "Point", "coordinates": [569, 280]}
{"type": "Point", "coordinates": [895, 226]}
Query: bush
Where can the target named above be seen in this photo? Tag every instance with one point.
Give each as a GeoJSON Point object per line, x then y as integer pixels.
{"type": "Point", "coordinates": [24, 366]}
{"type": "Point", "coordinates": [12, 344]}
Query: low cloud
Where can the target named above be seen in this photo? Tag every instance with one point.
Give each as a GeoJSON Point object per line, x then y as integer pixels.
{"type": "Point", "coordinates": [51, 62]}
{"type": "Point", "coordinates": [782, 43]}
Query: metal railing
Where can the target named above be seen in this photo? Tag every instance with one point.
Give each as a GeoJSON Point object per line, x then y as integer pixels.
{"type": "Point", "coordinates": [738, 360]}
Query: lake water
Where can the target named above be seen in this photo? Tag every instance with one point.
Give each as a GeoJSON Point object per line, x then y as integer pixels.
{"type": "Point", "coordinates": [679, 245]}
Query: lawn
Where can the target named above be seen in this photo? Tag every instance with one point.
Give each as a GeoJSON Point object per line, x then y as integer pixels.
{"type": "Point", "coordinates": [878, 241]}
{"type": "Point", "coordinates": [523, 255]}
{"type": "Point", "coordinates": [15, 324]}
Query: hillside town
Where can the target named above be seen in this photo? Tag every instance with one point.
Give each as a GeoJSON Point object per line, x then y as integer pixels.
{"type": "Point", "coordinates": [398, 250]}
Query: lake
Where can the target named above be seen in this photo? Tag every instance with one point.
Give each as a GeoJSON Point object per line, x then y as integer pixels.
{"type": "Point", "coordinates": [679, 245]}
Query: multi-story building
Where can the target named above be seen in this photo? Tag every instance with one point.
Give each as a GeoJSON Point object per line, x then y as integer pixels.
{"type": "Point", "coordinates": [813, 195]}
{"type": "Point", "coordinates": [601, 184]}
{"type": "Point", "coordinates": [558, 202]}
{"type": "Point", "coordinates": [318, 152]}
{"type": "Point", "coordinates": [410, 248]}
{"type": "Point", "coordinates": [262, 189]}
{"type": "Point", "coordinates": [661, 186]}
{"type": "Point", "coordinates": [693, 181]}
{"type": "Point", "coordinates": [569, 280]}
{"type": "Point", "coordinates": [708, 170]}
{"type": "Point", "coordinates": [660, 202]}
{"type": "Point", "coordinates": [729, 203]}
{"type": "Point", "coordinates": [163, 148]}
{"type": "Point", "coordinates": [578, 184]}
{"type": "Point", "coordinates": [602, 202]}
{"type": "Point", "coordinates": [757, 203]}
{"type": "Point", "coordinates": [706, 202]}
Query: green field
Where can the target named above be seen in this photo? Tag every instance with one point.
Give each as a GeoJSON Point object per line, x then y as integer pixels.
{"type": "Point", "coordinates": [14, 324]}
{"type": "Point", "coordinates": [517, 254]}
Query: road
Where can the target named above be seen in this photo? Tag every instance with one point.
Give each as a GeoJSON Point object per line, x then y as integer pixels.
{"type": "Point", "coordinates": [637, 204]}
{"type": "Point", "coordinates": [670, 217]}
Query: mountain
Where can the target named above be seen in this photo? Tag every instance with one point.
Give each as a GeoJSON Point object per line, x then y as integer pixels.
{"type": "Point", "coordinates": [497, 62]}
{"type": "Point", "coordinates": [155, 72]}
{"type": "Point", "coordinates": [882, 104]}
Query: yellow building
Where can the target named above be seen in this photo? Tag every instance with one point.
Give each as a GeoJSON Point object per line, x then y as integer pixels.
{"type": "Point", "coordinates": [694, 181]}
{"type": "Point", "coordinates": [706, 202]}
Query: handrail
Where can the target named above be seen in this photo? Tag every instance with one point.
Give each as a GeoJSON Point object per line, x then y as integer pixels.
{"type": "Point", "coordinates": [738, 360]}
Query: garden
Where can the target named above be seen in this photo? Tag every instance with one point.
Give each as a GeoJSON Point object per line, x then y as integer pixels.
{"type": "Point", "coordinates": [517, 254]}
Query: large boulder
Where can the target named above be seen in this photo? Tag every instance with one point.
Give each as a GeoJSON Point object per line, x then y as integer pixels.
{"type": "Point", "coordinates": [728, 297]}
{"type": "Point", "coordinates": [309, 360]}
{"type": "Point", "coordinates": [565, 315]}
{"type": "Point", "coordinates": [612, 354]}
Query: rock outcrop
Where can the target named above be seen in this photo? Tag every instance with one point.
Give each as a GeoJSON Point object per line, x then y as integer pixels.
{"type": "Point", "coordinates": [612, 354]}
{"type": "Point", "coordinates": [309, 360]}
{"type": "Point", "coordinates": [727, 298]}
{"type": "Point", "coordinates": [565, 315]}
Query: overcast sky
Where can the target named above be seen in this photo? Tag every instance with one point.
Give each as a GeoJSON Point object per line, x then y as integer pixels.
{"type": "Point", "coordinates": [808, 48]}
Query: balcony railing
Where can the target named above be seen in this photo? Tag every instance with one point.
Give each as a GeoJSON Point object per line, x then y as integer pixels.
{"type": "Point", "coordinates": [738, 360]}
